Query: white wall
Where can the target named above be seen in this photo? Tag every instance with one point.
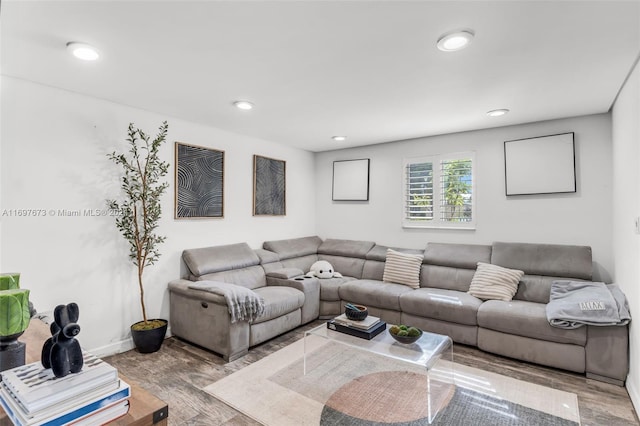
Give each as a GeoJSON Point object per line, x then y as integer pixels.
{"type": "Point", "coordinates": [54, 146]}
{"type": "Point", "coordinates": [582, 218]}
{"type": "Point", "coordinates": [53, 157]}
{"type": "Point", "coordinates": [626, 208]}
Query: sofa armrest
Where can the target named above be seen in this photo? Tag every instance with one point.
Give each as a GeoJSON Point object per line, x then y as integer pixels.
{"type": "Point", "coordinates": [285, 273]}
{"type": "Point", "coordinates": [181, 287]}
{"type": "Point", "coordinates": [607, 353]}
{"type": "Point", "coordinates": [311, 289]}
{"type": "Point", "coordinates": [203, 318]}
{"type": "Point", "coordinates": [305, 285]}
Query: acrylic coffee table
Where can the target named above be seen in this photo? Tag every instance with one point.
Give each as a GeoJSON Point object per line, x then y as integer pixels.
{"type": "Point", "coordinates": [426, 365]}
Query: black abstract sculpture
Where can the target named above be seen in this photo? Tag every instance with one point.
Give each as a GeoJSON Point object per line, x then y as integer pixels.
{"type": "Point", "coordinates": [62, 352]}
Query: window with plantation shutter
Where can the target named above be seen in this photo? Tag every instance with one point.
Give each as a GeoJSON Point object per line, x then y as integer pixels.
{"type": "Point", "coordinates": [439, 191]}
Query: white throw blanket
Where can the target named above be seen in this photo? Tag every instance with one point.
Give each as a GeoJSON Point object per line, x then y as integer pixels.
{"type": "Point", "coordinates": [573, 304]}
{"type": "Point", "coordinates": [243, 303]}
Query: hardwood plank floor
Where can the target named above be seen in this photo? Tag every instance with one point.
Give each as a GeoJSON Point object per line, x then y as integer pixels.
{"type": "Point", "coordinates": [179, 371]}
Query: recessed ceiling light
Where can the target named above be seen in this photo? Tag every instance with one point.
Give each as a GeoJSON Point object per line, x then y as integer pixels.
{"type": "Point", "coordinates": [497, 112]}
{"type": "Point", "coordinates": [339, 138]}
{"type": "Point", "coordinates": [455, 40]}
{"type": "Point", "coordinates": [83, 51]}
{"type": "Point", "coordinates": [246, 105]}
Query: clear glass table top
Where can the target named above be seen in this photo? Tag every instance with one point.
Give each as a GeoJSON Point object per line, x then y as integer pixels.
{"type": "Point", "coordinates": [425, 351]}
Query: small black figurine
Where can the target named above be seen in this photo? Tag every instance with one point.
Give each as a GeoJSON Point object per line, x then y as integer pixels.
{"type": "Point", "coordinates": [61, 352]}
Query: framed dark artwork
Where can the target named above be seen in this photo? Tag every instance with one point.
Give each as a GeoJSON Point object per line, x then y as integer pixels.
{"type": "Point", "coordinates": [540, 165]}
{"type": "Point", "coordinates": [351, 180]}
{"type": "Point", "coordinates": [269, 186]}
{"type": "Point", "coordinates": [199, 182]}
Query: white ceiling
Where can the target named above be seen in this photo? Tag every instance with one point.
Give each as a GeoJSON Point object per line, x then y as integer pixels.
{"type": "Point", "coordinates": [369, 70]}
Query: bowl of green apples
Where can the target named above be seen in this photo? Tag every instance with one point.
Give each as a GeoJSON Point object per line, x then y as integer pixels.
{"type": "Point", "coordinates": [405, 334]}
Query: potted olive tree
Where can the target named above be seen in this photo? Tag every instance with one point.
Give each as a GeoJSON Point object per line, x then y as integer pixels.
{"type": "Point", "coordinates": [138, 214]}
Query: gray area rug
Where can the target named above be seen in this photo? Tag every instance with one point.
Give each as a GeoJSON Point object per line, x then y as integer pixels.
{"type": "Point", "coordinates": [465, 408]}
{"type": "Point", "coordinates": [343, 387]}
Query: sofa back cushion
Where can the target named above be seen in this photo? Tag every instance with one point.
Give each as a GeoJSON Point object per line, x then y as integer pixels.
{"type": "Point", "coordinates": [267, 257]}
{"type": "Point", "coordinates": [346, 248]}
{"type": "Point", "coordinates": [232, 263]}
{"type": "Point", "coordinates": [303, 262]}
{"type": "Point", "coordinates": [542, 264]}
{"type": "Point", "coordinates": [251, 277]}
{"type": "Point", "coordinates": [379, 252]}
{"type": "Point", "coordinates": [545, 259]}
{"type": "Point", "coordinates": [464, 256]}
{"type": "Point", "coordinates": [269, 260]}
{"type": "Point", "coordinates": [444, 277]}
{"type": "Point", "coordinates": [451, 266]}
{"type": "Point", "coordinates": [206, 260]}
{"type": "Point", "coordinates": [373, 268]}
{"type": "Point", "coordinates": [346, 256]}
{"type": "Point", "coordinates": [347, 266]}
{"type": "Point", "coordinates": [293, 247]}
{"type": "Point", "coordinates": [535, 288]}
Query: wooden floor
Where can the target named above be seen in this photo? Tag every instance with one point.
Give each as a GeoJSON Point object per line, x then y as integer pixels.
{"type": "Point", "coordinates": [179, 371]}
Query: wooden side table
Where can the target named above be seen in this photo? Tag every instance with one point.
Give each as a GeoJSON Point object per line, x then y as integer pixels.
{"type": "Point", "coordinates": [145, 409]}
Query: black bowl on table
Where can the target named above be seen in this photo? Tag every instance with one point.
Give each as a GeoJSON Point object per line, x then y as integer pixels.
{"type": "Point", "coordinates": [356, 312]}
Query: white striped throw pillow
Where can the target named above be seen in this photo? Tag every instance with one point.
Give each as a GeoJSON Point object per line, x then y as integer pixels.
{"type": "Point", "coordinates": [494, 282]}
{"type": "Point", "coordinates": [402, 268]}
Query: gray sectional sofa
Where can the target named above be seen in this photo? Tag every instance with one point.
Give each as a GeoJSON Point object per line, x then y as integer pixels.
{"type": "Point", "coordinates": [517, 328]}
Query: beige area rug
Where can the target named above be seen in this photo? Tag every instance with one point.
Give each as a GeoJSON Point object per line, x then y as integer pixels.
{"type": "Point", "coordinates": [344, 386]}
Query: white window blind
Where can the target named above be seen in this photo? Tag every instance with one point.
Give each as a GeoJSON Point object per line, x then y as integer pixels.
{"type": "Point", "coordinates": [419, 191]}
{"type": "Point", "coordinates": [438, 191]}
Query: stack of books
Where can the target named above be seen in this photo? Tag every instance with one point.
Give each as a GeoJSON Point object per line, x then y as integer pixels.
{"type": "Point", "coordinates": [31, 395]}
{"type": "Point", "coordinates": [367, 329]}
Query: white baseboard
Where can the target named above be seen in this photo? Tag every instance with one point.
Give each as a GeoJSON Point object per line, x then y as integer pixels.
{"type": "Point", "coordinates": [113, 348]}
{"type": "Point", "coordinates": [118, 347]}
{"type": "Point", "coordinates": [102, 351]}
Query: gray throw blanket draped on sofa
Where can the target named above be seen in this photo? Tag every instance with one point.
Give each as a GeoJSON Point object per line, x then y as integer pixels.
{"type": "Point", "coordinates": [243, 303]}
{"type": "Point", "coordinates": [573, 304]}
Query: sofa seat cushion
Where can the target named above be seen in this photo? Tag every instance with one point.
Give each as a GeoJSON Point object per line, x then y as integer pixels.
{"type": "Point", "coordinates": [526, 319]}
{"type": "Point", "coordinates": [444, 305]}
{"type": "Point", "coordinates": [279, 301]}
{"type": "Point", "coordinates": [329, 288]}
{"type": "Point", "coordinates": [374, 293]}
